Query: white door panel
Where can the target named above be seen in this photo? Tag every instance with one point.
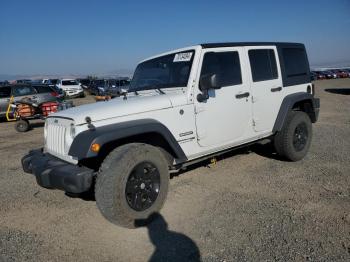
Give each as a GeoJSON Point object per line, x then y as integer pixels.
{"type": "Point", "coordinates": [267, 94]}
{"type": "Point", "coordinates": [224, 118]}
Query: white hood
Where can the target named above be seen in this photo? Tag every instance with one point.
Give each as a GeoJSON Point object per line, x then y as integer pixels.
{"type": "Point", "coordinates": [116, 107]}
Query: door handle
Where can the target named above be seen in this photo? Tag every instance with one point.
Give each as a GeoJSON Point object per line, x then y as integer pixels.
{"type": "Point", "coordinates": [276, 89]}
{"type": "Point", "coordinates": [246, 94]}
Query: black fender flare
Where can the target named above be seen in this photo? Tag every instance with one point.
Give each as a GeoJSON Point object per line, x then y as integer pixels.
{"type": "Point", "coordinates": [287, 105]}
{"type": "Point", "coordinates": [80, 147]}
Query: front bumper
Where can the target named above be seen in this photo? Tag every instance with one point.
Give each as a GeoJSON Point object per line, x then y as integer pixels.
{"type": "Point", "coordinates": [73, 93]}
{"type": "Point", "coordinates": [54, 173]}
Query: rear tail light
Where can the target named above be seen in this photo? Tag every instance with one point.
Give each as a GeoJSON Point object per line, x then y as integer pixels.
{"type": "Point", "coordinates": [49, 107]}
{"type": "Point", "coordinates": [313, 89]}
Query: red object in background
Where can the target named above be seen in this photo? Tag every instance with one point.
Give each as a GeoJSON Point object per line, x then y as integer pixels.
{"type": "Point", "coordinates": [49, 107]}
{"type": "Point", "coordinates": [24, 110]}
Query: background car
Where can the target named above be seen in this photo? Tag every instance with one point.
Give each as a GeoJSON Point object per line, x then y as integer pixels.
{"type": "Point", "coordinates": [85, 82]}
{"type": "Point", "coordinates": [347, 70]}
{"type": "Point", "coordinates": [50, 81]}
{"type": "Point", "coordinates": [341, 73]}
{"type": "Point", "coordinates": [319, 75]}
{"type": "Point", "coordinates": [98, 87]}
{"type": "Point", "coordinates": [37, 93]}
{"type": "Point", "coordinates": [108, 86]}
{"type": "Point", "coordinates": [3, 83]}
{"type": "Point", "coordinates": [71, 87]}
{"type": "Point", "coordinates": [23, 81]}
{"type": "Point", "coordinates": [329, 74]}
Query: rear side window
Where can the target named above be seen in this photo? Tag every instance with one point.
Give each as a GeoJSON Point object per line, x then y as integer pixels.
{"type": "Point", "coordinates": [295, 62]}
{"type": "Point", "coordinates": [263, 64]}
{"type": "Point", "coordinates": [225, 64]}
{"type": "Point", "coordinates": [43, 89]}
{"type": "Point", "coordinates": [23, 91]}
{"type": "Point", "coordinates": [5, 92]}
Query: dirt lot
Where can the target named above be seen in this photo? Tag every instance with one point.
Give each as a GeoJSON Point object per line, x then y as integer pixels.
{"type": "Point", "coordinates": [250, 206]}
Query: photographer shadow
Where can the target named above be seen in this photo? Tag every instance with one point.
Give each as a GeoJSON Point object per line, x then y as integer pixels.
{"type": "Point", "coordinates": [169, 245]}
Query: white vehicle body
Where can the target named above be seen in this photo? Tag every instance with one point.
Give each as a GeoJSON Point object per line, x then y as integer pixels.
{"type": "Point", "coordinates": [71, 87]}
{"type": "Point", "coordinates": [206, 124]}
{"type": "Point", "coordinates": [181, 107]}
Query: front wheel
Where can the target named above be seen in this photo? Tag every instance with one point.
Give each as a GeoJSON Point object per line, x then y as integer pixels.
{"type": "Point", "coordinates": [132, 184]}
{"type": "Point", "coordinates": [294, 140]}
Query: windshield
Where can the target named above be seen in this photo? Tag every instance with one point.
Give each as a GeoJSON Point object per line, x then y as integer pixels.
{"type": "Point", "coordinates": [69, 83]}
{"type": "Point", "coordinates": [166, 71]}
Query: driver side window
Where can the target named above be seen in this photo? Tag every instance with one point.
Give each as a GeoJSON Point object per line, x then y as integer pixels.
{"type": "Point", "coordinates": [224, 64]}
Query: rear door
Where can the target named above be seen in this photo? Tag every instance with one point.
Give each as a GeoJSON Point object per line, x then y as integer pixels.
{"type": "Point", "coordinates": [266, 86]}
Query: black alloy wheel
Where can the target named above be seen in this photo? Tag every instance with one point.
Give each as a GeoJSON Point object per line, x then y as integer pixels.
{"type": "Point", "coordinates": [142, 187]}
{"type": "Point", "coordinates": [300, 137]}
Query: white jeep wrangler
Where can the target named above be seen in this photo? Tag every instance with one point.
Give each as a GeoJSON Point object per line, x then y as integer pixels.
{"type": "Point", "coordinates": [181, 107]}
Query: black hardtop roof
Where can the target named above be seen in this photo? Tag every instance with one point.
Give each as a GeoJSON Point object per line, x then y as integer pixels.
{"type": "Point", "coordinates": [231, 44]}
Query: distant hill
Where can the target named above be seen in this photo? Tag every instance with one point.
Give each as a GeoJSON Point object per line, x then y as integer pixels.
{"type": "Point", "coordinates": [115, 73]}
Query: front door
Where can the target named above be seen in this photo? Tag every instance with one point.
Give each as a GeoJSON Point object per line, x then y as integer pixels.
{"type": "Point", "coordinates": [226, 115]}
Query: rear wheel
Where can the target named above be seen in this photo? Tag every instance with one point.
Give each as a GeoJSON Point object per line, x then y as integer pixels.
{"type": "Point", "coordinates": [22, 125]}
{"type": "Point", "coordinates": [294, 140]}
{"type": "Point", "coordinates": [132, 184]}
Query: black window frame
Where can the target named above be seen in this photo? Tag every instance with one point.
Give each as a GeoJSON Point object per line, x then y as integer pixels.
{"type": "Point", "coordinates": [273, 72]}
{"type": "Point", "coordinates": [237, 61]}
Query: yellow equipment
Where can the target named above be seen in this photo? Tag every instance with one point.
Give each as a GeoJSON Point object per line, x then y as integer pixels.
{"type": "Point", "coordinates": [8, 111]}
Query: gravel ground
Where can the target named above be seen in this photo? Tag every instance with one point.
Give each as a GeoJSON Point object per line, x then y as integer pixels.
{"type": "Point", "coordinates": [250, 206]}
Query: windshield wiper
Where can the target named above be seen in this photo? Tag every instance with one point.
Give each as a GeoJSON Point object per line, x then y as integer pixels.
{"type": "Point", "coordinates": [160, 91]}
{"type": "Point", "coordinates": [148, 88]}
{"type": "Point", "coordinates": [156, 88]}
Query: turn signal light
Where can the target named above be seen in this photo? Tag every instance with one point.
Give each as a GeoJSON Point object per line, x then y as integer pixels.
{"type": "Point", "coordinates": [95, 147]}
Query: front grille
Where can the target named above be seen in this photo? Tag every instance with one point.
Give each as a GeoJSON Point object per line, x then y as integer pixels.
{"type": "Point", "coordinates": [57, 133]}
{"type": "Point", "coordinates": [55, 140]}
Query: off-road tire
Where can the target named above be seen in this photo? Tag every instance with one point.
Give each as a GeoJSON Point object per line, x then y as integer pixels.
{"type": "Point", "coordinates": [22, 125]}
{"type": "Point", "coordinates": [283, 140]}
{"type": "Point", "coordinates": [111, 182]}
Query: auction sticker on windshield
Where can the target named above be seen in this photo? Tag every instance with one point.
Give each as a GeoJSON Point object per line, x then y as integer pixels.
{"type": "Point", "coordinates": [183, 57]}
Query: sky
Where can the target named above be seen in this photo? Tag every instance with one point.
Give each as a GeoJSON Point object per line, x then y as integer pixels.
{"type": "Point", "coordinates": [101, 36]}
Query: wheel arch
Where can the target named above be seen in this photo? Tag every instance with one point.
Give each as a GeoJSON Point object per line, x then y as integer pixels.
{"type": "Point", "coordinates": [298, 101]}
{"type": "Point", "coordinates": [109, 137]}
